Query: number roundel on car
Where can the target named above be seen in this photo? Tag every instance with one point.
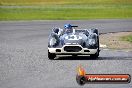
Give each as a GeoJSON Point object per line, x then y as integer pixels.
{"type": "Point", "coordinates": [73, 37]}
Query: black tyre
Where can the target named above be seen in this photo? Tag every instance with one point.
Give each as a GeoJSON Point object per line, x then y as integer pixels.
{"type": "Point", "coordinates": [95, 31]}
{"type": "Point", "coordinates": [98, 46]}
{"type": "Point", "coordinates": [51, 56]}
{"type": "Point", "coordinates": [94, 56]}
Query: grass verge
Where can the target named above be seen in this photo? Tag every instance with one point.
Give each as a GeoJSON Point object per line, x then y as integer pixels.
{"type": "Point", "coordinates": [63, 2]}
{"type": "Point", "coordinates": [65, 9]}
{"type": "Point", "coordinates": [119, 40]}
{"type": "Point", "coordinates": [127, 38]}
{"type": "Point", "coordinates": [65, 12]}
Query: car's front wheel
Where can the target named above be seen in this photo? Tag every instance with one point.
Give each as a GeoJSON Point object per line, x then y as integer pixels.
{"type": "Point", "coordinates": [94, 56]}
{"type": "Point", "coordinates": [51, 56]}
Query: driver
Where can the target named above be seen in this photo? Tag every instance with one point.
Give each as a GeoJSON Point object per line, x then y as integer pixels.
{"type": "Point", "coordinates": [68, 28]}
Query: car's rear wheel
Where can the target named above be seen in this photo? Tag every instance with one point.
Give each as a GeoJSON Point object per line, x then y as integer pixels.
{"type": "Point", "coordinates": [51, 56]}
{"type": "Point", "coordinates": [95, 31]}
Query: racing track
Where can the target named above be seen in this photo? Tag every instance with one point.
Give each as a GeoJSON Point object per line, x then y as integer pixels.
{"type": "Point", "coordinates": [24, 62]}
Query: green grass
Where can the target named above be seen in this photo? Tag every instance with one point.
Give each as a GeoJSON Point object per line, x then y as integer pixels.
{"type": "Point", "coordinates": [127, 38]}
{"type": "Point", "coordinates": [65, 9]}
{"type": "Point", "coordinates": [62, 2]}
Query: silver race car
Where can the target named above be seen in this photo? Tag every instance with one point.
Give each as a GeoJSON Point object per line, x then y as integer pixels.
{"type": "Point", "coordinates": [71, 41]}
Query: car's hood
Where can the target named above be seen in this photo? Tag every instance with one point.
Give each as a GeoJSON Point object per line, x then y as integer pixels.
{"type": "Point", "coordinates": [73, 39]}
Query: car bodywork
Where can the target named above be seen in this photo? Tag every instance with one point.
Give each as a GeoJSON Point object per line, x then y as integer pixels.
{"type": "Point", "coordinates": [78, 42]}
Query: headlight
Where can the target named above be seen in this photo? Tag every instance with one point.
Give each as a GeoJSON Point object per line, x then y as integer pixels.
{"type": "Point", "coordinates": [92, 41]}
{"type": "Point", "coordinates": [53, 41]}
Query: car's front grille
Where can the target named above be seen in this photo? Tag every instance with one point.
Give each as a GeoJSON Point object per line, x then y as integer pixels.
{"type": "Point", "coordinates": [72, 48]}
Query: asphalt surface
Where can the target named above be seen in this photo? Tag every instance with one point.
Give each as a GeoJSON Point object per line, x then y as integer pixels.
{"type": "Point", "coordinates": [24, 62]}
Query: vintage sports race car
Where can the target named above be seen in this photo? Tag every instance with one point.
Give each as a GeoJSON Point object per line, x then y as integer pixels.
{"type": "Point", "coordinates": [71, 41]}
